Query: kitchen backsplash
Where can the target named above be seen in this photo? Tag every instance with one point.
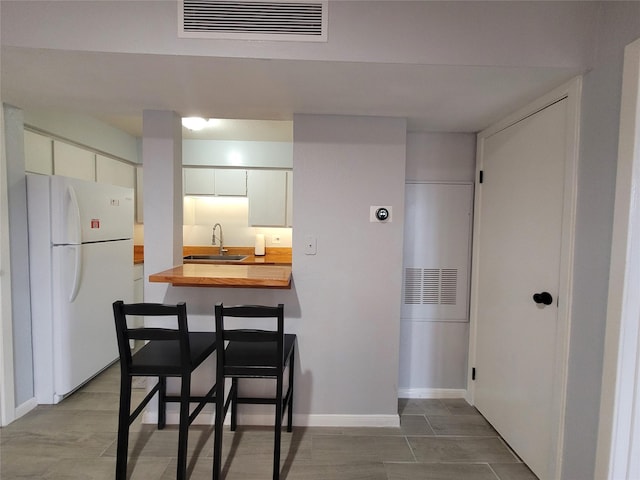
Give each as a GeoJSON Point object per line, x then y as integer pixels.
{"type": "Point", "coordinates": [202, 213]}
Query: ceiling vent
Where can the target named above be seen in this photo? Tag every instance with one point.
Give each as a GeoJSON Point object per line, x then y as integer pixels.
{"type": "Point", "coordinates": [253, 20]}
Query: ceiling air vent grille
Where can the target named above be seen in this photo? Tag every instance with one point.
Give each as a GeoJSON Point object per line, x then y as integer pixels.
{"type": "Point", "coordinates": [253, 20]}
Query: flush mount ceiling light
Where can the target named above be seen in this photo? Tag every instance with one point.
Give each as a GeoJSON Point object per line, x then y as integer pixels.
{"type": "Point", "coordinates": [198, 123]}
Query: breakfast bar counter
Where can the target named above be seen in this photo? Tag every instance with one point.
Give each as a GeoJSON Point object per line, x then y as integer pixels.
{"type": "Point", "coordinates": [225, 275]}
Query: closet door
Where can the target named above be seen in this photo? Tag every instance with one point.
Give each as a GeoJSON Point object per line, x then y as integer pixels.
{"type": "Point", "coordinates": [434, 328]}
{"type": "Point", "coordinates": [523, 228]}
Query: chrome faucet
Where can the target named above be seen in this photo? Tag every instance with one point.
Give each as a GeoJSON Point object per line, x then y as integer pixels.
{"type": "Point", "coordinates": [213, 238]}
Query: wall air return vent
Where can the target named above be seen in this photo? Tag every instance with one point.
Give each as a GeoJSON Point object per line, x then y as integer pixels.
{"type": "Point", "coordinates": [430, 286]}
{"type": "Point", "coordinates": [433, 294]}
{"type": "Point", "coordinates": [253, 20]}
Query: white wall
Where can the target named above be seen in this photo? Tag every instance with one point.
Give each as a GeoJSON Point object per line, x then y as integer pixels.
{"type": "Point", "coordinates": [20, 296]}
{"type": "Point", "coordinates": [441, 157]}
{"type": "Point", "coordinates": [349, 292]}
{"type": "Point", "coordinates": [443, 346]}
{"type": "Point", "coordinates": [619, 25]}
{"type": "Point", "coordinates": [345, 301]}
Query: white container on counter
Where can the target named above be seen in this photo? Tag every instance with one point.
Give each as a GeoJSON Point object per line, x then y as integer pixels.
{"type": "Point", "coordinates": [259, 250]}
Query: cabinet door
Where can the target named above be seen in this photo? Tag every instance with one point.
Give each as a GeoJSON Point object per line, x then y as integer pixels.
{"type": "Point", "coordinates": [199, 181]}
{"type": "Point", "coordinates": [38, 153]}
{"type": "Point", "coordinates": [72, 161]}
{"type": "Point", "coordinates": [267, 192]}
{"type": "Point", "coordinates": [115, 172]}
{"type": "Point", "coordinates": [230, 182]}
{"type": "Point", "coordinates": [215, 181]}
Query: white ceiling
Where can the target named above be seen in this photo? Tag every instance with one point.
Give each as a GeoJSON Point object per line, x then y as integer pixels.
{"type": "Point", "coordinates": [117, 87]}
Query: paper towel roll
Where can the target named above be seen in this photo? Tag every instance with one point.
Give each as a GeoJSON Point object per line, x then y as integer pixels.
{"type": "Point", "coordinates": [259, 244]}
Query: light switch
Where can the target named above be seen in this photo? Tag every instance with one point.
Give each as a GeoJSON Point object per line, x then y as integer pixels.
{"type": "Point", "coordinates": [309, 245]}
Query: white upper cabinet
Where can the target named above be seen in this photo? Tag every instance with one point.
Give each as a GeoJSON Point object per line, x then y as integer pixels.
{"type": "Point", "coordinates": [267, 192]}
{"type": "Point", "coordinates": [38, 153]}
{"type": "Point", "coordinates": [215, 181]}
{"type": "Point", "coordinates": [115, 172]}
{"type": "Point", "coordinates": [46, 156]}
{"type": "Point", "coordinates": [199, 181]}
{"type": "Point", "coordinates": [231, 182]}
{"type": "Point", "coordinates": [72, 161]}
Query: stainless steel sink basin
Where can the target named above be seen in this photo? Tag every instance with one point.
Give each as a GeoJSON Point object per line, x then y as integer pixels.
{"type": "Point", "coordinates": [215, 258]}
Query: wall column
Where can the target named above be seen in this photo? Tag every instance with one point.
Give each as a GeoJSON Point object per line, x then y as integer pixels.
{"type": "Point", "coordinates": [162, 162]}
{"type": "Point", "coordinates": [19, 252]}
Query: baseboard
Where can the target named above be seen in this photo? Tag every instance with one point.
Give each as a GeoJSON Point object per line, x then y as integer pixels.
{"type": "Point", "coordinates": [432, 393]}
{"type": "Point", "coordinates": [315, 420]}
{"type": "Point", "coordinates": [299, 420]}
{"type": "Point", "coordinates": [26, 407]}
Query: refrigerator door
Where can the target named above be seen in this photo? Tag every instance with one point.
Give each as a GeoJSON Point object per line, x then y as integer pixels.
{"type": "Point", "coordinates": [84, 211]}
{"type": "Point", "coordinates": [84, 338]}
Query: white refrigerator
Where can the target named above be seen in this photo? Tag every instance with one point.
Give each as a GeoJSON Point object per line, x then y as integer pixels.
{"type": "Point", "coordinates": [80, 262]}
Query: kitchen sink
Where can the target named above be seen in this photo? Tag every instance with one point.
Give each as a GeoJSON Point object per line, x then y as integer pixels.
{"type": "Point", "coordinates": [215, 258]}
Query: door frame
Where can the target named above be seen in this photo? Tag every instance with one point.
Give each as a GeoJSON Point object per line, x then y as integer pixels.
{"type": "Point", "coordinates": [572, 92]}
{"type": "Point", "coordinates": [617, 455]}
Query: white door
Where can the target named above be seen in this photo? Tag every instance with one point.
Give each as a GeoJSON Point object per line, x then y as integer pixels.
{"type": "Point", "coordinates": [521, 210]}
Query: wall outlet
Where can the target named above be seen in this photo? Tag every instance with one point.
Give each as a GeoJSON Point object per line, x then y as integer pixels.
{"type": "Point", "coordinates": [275, 239]}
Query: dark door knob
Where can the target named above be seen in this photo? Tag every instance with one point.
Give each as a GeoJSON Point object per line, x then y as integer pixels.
{"type": "Point", "coordinates": [544, 298]}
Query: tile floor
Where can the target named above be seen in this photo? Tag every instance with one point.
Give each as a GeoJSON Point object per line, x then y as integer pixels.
{"type": "Point", "coordinates": [437, 440]}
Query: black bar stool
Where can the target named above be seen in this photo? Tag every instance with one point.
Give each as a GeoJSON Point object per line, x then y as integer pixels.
{"type": "Point", "coordinates": [169, 352]}
{"type": "Point", "coordinates": [252, 353]}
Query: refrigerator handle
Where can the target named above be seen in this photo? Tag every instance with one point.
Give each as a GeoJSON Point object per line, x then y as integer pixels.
{"type": "Point", "coordinates": [76, 274]}
{"type": "Point", "coordinates": [76, 214]}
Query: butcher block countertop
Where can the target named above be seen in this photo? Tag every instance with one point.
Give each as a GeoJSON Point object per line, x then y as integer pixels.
{"type": "Point", "coordinates": [138, 254]}
{"type": "Point", "coordinates": [225, 275]}
{"type": "Point", "coordinates": [272, 270]}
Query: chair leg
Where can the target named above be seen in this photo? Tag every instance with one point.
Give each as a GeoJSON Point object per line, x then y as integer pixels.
{"type": "Point", "coordinates": [217, 442]}
{"type": "Point", "coordinates": [290, 388]}
{"type": "Point", "coordinates": [277, 429]}
{"type": "Point", "coordinates": [162, 404]}
{"type": "Point", "coordinates": [234, 404]}
{"type": "Point", "coordinates": [123, 427]}
{"type": "Point", "coordinates": [183, 427]}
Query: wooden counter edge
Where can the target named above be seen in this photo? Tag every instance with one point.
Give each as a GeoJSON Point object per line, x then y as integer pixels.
{"type": "Point", "coordinates": [177, 280]}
